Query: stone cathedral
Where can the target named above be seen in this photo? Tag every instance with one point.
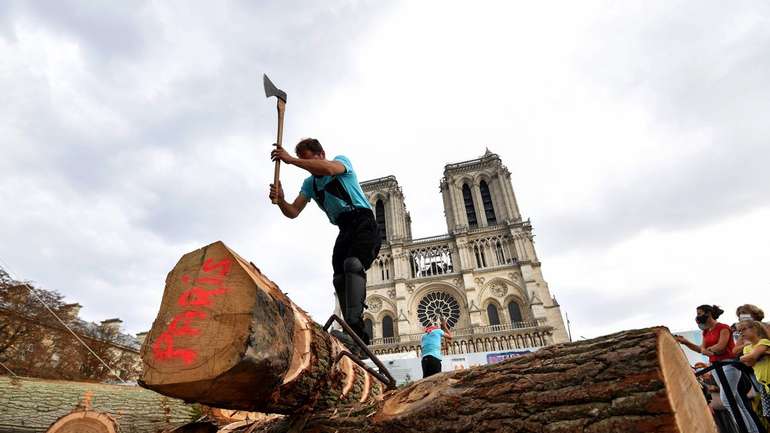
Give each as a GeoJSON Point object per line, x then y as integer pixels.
{"type": "Point", "coordinates": [483, 275]}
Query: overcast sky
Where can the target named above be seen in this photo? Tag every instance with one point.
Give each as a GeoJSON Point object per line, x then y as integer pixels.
{"type": "Point", "coordinates": [637, 135]}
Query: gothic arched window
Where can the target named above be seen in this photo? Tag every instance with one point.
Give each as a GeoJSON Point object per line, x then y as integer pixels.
{"type": "Point", "coordinates": [470, 210]}
{"type": "Point", "coordinates": [514, 311]}
{"type": "Point", "coordinates": [369, 327]}
{"type": "Point", "coordinates": [494, 317]}
{"type": "Point", "coordinates": [379, 215]}
{"type": "Point", "coordinates": [387, 327]}
{"type": "Point", "coordinates": [486, 200]}
{"type": "Point", "coordinates": [499, 252]}
{"type": "Point", "coordinates": [481, 260]}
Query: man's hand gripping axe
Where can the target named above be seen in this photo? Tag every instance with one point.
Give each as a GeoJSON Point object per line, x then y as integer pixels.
{"type": "Point", "coordinates": [271, 90]}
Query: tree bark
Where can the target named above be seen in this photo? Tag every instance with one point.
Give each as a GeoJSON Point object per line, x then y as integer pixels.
{"type": "Point", "coordinates": [226, 336]}
{"type": "Point", "coordinates": [33, 405]}
{"type": "Point", "coordinates": [632, 381]}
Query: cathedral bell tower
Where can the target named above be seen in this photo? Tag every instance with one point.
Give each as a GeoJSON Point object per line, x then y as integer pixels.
{"type": "Point", "coordinates": [478, 193]}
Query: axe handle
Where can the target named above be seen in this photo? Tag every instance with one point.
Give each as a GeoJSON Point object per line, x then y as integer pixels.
{"type": "Point", "coordinates": [281, 108]}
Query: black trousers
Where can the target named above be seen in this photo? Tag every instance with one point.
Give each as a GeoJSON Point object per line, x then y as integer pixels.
{"type": "Point", "coordinates": [359, 237]}
{"type": "Point", "coordinates": [430, 366]}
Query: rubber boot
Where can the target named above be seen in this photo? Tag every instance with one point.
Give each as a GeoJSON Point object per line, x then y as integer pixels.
{"type": "Point", "coordinates": [344, 338]}
{"type": "Point", "coordinates": [355, 296]}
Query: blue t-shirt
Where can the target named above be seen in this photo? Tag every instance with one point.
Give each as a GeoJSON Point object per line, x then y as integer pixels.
{"type": "Point", "coordinates": [431, 343]}
{"type": "Point", "coordinates": [334, 205]}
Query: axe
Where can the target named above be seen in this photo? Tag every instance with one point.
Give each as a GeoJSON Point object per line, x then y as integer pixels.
{"type": "Point", "coordinates": [270, 91]}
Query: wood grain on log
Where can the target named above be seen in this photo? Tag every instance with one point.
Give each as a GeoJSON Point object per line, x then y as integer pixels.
{"type": "Point", "coordinates": [84, 421]}
{"type": "Point", "coordinates": [632, 382]}
{"type": "Point", "coordinates": [228, 337]}
{"type": "Point", "coordinates": [32, 405]}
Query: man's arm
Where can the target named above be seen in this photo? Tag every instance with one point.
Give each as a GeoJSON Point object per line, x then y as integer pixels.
{"type": "Point", "coordinates": [291, 210]}
{"type": "Point", "coordinates": [692, 346]}
{"type": "Point", "coordinates": [445, 328]}
{"type": "Point", "coordinates": [317, 167]}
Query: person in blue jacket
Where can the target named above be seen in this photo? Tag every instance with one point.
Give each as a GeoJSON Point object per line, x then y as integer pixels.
{"type": "Point", "coordinates": [431, 347]}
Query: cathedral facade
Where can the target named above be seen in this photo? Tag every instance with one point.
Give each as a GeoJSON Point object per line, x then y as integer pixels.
{"type": "Point", "coordinates": [483, 276]}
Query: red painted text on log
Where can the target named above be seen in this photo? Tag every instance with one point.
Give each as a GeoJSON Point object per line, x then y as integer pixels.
{"type": "Point", "coordinates": [222, 265]}
{"type": "Point", "coordinates": [199, 296]}
{"type": "Point", "coordinates": [181, 325]}
{"type": "Point", "coordinates": [163, 348]}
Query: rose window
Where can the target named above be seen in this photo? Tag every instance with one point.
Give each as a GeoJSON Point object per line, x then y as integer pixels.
{"type": "Point", "coordinates": [435, 305]}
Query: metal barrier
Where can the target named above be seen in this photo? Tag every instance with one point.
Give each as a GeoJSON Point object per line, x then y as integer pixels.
{"type": "Point", "coordinates": [718, 366]}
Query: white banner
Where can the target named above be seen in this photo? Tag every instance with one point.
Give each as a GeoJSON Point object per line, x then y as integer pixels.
{"type": "Point", "coordinates": [409, 369]}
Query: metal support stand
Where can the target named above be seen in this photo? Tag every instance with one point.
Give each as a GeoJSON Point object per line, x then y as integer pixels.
{"type": "Point", "coordinates": [383, 375]}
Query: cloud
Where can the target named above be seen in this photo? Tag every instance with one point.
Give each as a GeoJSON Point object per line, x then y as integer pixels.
{"type": "Point", "coordinates": [659, 277]}
{"type": "Point", "coordinates": [616, 123]}
{"type": "Point", "coordinates": [118, 31]}
{"type": "Point", "coordinates": [703, 82]}
{"type": "Point", "coordinates": [593, 309]}
{"type": "Point", "coordinates": [132, 135]}
{"type": "Point", "coordinates": [720, 182]}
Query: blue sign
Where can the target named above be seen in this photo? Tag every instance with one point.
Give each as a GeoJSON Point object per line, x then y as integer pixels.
{"type": "Point", "coordinates": [493, 358]}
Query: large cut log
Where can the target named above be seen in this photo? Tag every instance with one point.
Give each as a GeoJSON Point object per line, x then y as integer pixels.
{"type": "Point", "coordinates": [35, 405]}
{"type": "Point", "coordinates": [228, 337]}
{"type": "Point", "coordinates": [632, 382]}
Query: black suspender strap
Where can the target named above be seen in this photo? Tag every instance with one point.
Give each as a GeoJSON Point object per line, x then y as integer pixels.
{"type": "Point", "coordinates": [319, 195]}
{"type": "Point", "coordinates": [335, 188]}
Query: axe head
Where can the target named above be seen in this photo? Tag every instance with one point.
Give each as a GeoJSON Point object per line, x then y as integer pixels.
{"type": "Point", "coordinates": [271, 90]}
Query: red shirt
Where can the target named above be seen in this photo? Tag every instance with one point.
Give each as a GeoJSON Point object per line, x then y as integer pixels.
{"type": "Point", "coordinates": [711, 337]}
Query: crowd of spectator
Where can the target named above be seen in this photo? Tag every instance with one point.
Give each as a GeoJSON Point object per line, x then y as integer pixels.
{"type": "Point", "coordinates": [739, 367]}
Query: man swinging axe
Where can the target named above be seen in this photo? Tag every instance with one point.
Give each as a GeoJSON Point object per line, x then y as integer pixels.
{"type": "Point", "coordinates": [334, 186]}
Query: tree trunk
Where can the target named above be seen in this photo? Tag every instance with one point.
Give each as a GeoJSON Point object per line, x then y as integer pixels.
{"type": "Point", "coordinates": [34, 405]}
{"type": "Point", "coordinates": [632, 381]}
{"type": "Point", "coordinates": [227, 337]}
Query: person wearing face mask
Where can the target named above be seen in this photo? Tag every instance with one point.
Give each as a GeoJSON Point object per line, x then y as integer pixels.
{"type": "Point", "coordinates": [717, 337]}
{"type": "Point", "coordinates": [746, 313]}
{"type": "Point", "coordinates": [743, 316]}
{"type": "Point", "coordinates": [718, 345]}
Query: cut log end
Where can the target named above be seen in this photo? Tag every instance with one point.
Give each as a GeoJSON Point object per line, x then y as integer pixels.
{"type": "Point", "coordinates": [214, 322]}
{"type": "Point", "coordinates": [691, 414]}
{"type": "Point", "coordinates": [84, 422]}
